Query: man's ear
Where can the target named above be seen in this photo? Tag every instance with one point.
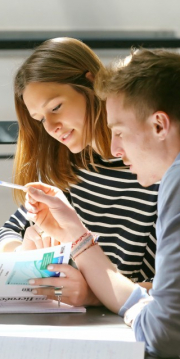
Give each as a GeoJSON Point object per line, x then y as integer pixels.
{"type": "Point", "coordinates": [90, 76]}
{"type": "Point", "coordinates": [161, 124]}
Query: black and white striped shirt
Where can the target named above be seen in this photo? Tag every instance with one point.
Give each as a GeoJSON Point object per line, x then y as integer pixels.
{"type": "Point", "coordinates": [113, 204]}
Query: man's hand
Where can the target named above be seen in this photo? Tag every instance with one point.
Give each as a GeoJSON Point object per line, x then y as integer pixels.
{"type": "Point", "coordinates": [132, 312]}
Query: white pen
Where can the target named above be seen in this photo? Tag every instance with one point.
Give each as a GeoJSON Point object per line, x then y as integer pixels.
{"type": "Point", "coordinates": [13, 185]}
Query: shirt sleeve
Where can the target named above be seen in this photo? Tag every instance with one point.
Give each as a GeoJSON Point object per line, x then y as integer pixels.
{"type": "Point", "coordinates": [137, 294]}
{"type": "Point", "coordinates": [15, 226]}
{"type": "Point", "coordinates": [158, 323]}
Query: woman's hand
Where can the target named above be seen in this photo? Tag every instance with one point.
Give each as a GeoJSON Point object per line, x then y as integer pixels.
{"type": "Point", "coordinates": [108, 285]}
{"type": "Point", "coordinates": [75, 290]}
{"type": "Point", "coordinates": [48, 207]}
{"type": "Point", "coordinates": [35, 238]}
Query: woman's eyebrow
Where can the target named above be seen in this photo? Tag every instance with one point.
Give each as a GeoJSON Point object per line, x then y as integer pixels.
{"type": "Point", "coordinates": [46, 103]}
{"type": "Point", "coordinates": [48, 100]}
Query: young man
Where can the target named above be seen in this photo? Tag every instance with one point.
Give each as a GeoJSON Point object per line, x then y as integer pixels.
{"type": "Point", "coordinates": [143, 106]}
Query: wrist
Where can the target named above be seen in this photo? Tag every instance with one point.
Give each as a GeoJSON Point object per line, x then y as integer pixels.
{"type": "Point", "coordinates": [78, 231]}
{"type": "Point", "coordinates": [84, 242]}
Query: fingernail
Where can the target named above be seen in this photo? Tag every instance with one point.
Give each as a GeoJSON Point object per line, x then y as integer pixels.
{"type": "Point", "coordinates": [31, 281]}
{"type": "Point", "coordinates": [31, 189]}
{"type": "Point", "coordinates": [50, 267]}
{"type": "Point", "coordinates": [34, 291]}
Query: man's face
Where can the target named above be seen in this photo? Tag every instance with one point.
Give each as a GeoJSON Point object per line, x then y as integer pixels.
{"type": "Point", "coordinates": [134, 140]}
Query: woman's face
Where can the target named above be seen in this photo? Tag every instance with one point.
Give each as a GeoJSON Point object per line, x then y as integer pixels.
{"type": "Point", "coordinates": [60, 109]}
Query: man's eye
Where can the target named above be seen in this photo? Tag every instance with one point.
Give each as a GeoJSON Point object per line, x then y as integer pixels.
{"type": "Point", "coordinates": [56, 108]}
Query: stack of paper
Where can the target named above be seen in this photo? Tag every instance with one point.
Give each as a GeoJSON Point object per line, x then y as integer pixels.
{"type": "Point", "coordinates": [47, 306]}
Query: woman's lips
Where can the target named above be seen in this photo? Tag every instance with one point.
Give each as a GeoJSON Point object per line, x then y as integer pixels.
{"type": "Point", "coordinates": [66, 136]}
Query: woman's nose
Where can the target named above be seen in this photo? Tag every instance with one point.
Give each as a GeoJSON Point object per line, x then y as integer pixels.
{"type": "Point", "coordinates": [51, 126]}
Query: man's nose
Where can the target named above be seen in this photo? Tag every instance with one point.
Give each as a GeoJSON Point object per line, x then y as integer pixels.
{"type": "Point", "coordinates": [116, 148]}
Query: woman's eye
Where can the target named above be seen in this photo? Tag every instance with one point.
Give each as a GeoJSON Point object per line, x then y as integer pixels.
{"type": "Point", "coordinates": [119, 134]}
{"type": "Point", "coordinates": [56, 108]}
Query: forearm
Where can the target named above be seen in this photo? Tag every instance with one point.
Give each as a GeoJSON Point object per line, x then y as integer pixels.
{"type": "Point", "coordinates": [109, 286]}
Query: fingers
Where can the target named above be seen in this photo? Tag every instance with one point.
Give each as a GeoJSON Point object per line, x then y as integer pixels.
{"type": "Point", "coordinates": [33, 205]}
{"type": "Point", "coordinates": [132, 312]}
{"type": "Point", "coordinates": [34, 195]}
{"type": "Point", "coordinates": [67, 270]}
{"type": "Point", "coordinates": [35, 238]}
{"type": "Point", "coordinates": [75, 289]}
{"type": "Point", "coordinates": [31, 240]}
{"type": "Point", "coordinates": [29, 199]}
{"type": "Point", "coordinates": [38, 210]}
{"type": "Point", "coordinates": [53, 198]}
{"type": "Point", "coordinates": [147, 285]}
{"type": "Point", "coordinates": [46, 240]}
{"type": "Point", "coordinates": [38, 188]}
{"type": "Point", "coordinates": [50, 283]}
{"type": "Point", "coordinates": [49, 292]}
{"type": "Point", "coordinates": [54, 242]}
{"type": "Point", "coordinates": [40, 196]}
{"type": "Point", "coordinates": [53, 213]}
{"type": "Point", "coordinates": [34, 234]}
{"type": "Point", "coordinates": [41, 186]}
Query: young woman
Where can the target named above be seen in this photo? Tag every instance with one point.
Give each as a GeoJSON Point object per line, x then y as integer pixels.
{"type": "Point", "coordinates": [64, 140]}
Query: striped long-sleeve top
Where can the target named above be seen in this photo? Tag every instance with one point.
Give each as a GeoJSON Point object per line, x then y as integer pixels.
{"type": "Point", "coordinates": [113, 204]}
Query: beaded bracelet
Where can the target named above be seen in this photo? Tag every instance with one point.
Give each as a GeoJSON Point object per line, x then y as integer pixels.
{"type": "Point", "coordinates": [83, 243]}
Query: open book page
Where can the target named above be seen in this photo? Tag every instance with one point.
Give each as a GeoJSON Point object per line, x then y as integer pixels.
{"type": "Point", "coordinates": [16, 268]}
{"type": "Point", "coordinates": [47, 306]}
{"type": "Point", "coordinates": [47, 348]}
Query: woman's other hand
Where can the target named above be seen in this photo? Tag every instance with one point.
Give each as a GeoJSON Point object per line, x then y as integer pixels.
{"type": "Point", "coordinates": [35, 238]}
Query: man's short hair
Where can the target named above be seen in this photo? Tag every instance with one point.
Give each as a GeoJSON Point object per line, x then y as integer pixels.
{"type": "Point", "coordinates": [149, 79]}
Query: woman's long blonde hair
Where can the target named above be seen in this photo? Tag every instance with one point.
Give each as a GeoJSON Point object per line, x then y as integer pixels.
{"type": "Point", "coordinates": [65, 61]}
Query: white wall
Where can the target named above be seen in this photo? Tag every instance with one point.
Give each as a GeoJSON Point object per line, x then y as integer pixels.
{"type": "Point", "coordinates": [90, 15]}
